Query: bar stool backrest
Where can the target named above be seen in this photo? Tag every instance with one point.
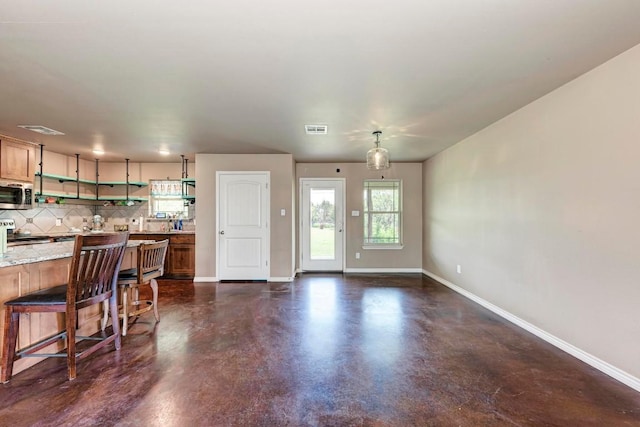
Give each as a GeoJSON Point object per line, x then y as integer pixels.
{"type": "Point", "coordinates": [94, 268]}
{"type": "Point", "coordinates": [151, 260]}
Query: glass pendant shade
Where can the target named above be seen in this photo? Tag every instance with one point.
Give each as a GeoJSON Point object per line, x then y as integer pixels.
{"type": "Point", "coordinates": [378, 158]}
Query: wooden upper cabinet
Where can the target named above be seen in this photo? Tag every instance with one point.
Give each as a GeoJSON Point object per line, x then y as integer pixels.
{"type": "Point", "coordinates": [17, 160]}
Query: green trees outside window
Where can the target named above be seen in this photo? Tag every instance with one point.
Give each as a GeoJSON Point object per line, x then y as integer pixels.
{"type": "Point", "coordinates": [383, 212]}
{"type": "Point", "coordinates": [323, 223]}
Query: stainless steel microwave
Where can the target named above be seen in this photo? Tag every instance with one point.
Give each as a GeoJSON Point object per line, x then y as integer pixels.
{"type": "Point", "coordinates": [16, 195]}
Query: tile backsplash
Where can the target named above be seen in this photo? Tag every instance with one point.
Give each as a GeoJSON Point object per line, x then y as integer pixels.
{"type": "Point", "coordinates": [43, 219]}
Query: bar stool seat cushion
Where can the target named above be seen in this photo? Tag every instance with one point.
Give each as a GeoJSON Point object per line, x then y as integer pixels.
{"type": "Point", "coordinates": [51, 296]}
{"type": "Point", "coordinates": [128, 272]}
{"type": "Point", "coordinates": [130, 276]}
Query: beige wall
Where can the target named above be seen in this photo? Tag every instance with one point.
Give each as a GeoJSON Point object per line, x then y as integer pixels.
{"type": "Point", "coordinates": [541, 211]}
{"type": "Point", "coordinates": [406, 259]}
{"type": "Point", "coordinates": [281, 168]}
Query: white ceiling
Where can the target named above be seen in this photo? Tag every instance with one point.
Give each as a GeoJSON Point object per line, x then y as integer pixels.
{"type": "Point", "coordinates": [246, 76]}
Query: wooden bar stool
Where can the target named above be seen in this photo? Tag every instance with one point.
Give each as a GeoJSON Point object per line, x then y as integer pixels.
{"type": "Point", "coordinates": [150, 265]}
{"type": "Point", "coordinates": [92, 280]}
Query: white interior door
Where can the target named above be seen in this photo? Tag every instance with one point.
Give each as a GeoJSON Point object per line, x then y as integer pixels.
{"type": "Point", "coordinates": [322, 225]}
{"type": "Point", "coordinates": [243, 226]}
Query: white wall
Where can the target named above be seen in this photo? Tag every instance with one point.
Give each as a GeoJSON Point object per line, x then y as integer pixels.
{"type": "Point", "coordinates": [542, 211]}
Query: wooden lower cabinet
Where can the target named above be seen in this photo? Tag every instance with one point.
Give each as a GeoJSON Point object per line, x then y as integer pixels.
{"type": "Point", "coordinates": [180, 262]}
{"type": "Point", "coordinates": [19, 280]}
{"type": "Point", "coordinates": [182, 256]}
{"type": "Point", "coordinates": [14, 281]}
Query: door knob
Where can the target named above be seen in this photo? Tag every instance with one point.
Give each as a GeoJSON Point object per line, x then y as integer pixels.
{"type": "Point", "coordinates": [222, 232]}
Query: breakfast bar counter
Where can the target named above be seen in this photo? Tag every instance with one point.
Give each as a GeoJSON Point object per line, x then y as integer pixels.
{"type": "Point", "coordinates": [30, 268]}
{"type": "Point", "coordinates": [27, 254]}
{"type": "Point", "coordinates": [179, 263]}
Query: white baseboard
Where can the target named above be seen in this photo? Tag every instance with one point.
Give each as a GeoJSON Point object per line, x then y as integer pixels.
{"type": "Point", "coordinates": [215, 279]}
{"type": "Point", "coordinates": [589, 359]}
{"type": "Point", "coordinates": [205, 279]}
{"type": "Point", "coordinates": [375, 270]}
{"type": "Point", "coordinates": [280, 279]}
{"type": "Point", "coordinates": [383, 270]}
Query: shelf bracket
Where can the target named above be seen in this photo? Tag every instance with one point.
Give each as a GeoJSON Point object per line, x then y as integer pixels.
{"type": "Point", "coordinates": [97, 181]}
{"type": "Point", "coordinates": [127, 186]}
{"type": "Point", "coordinates": [77, 176]}
{"type": "Point", "coordinates": [40, 164]}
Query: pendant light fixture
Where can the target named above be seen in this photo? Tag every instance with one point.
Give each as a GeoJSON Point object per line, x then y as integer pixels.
{"type": "Point", "coordinates": [378, 158]}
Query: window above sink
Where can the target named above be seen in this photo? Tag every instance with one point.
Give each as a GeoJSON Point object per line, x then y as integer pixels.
{"type": "Point", "coordinates": [166, 199]}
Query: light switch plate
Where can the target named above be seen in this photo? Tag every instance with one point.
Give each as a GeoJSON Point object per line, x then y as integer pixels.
{"type": "Point", "coordinates": [283, 212]}
{"type": "Point", "coordinates": [355, 213]}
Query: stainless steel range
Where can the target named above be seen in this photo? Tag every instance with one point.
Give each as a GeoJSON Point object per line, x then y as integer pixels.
{"type": "Point", "coordinates": [15, 239]}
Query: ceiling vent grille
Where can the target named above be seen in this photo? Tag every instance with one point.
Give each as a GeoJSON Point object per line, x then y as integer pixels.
{"type": "Point", "coordinates": [41, 129]}
{"type": "Point", "coordinates": [316, 129]}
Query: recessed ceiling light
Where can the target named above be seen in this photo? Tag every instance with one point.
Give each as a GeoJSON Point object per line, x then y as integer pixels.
{"type": "Point", "coordinates": [98, 151]}
{"type": "Point", "coordinates": [41, 129]}
{"type": "Point", "coordinates": [164, 152]}
{"type": "Point", "coordinates": [316, 129]}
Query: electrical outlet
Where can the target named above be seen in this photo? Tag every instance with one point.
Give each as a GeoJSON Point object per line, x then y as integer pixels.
{"type": "Point", "coordinates": [357, 255]}
{"type": "Point", "coordinates": [58, 222]}
{"type": "Point", "coordinates": [459, 269]}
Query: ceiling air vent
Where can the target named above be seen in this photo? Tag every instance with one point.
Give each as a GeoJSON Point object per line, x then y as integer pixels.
{"type": "Point", "coordinates": [316, 129]}
{"type": "Point", "coordinates": [41, 129]}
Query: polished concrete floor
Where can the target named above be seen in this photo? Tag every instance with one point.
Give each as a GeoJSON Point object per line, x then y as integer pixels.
{"type": "Point", "coordinates": [326, 350]}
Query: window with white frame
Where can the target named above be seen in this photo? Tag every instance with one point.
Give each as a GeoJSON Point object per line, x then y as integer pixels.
{"type": "Point", "coordinates": [383, 212]}
{"type": "Point", "coordinates": [166, 198]}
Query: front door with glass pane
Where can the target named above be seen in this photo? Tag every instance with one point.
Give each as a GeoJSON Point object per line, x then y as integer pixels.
{"type": "Point", "coordinates": [322, 225]}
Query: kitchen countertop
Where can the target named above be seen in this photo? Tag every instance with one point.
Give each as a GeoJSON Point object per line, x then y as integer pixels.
{"type": "Point", "coordinates": [58, 234]}
{"type": "Point", "coordinates": [69, 233]}
{"type": "Point", "coordinates": [164, 232]}
{"type": "Point", "coordinates": [27, 254]}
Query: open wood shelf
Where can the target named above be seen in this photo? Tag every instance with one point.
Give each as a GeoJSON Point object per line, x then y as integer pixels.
{"type": "Point", "coordinates": [88, 197]}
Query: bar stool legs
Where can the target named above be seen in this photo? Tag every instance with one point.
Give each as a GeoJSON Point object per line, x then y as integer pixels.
{"type": "Point", "coordinates": [125, 312]}
{"type": "Point", "coordinates": [154, 288]}
{"type": "Point", "coordinates": [136, 307]}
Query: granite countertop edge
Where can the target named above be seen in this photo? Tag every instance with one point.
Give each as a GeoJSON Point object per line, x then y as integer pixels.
{"type": "Point", "coordinates": [131, 232]}
{"type": "Point", "coordinates": [29, 254]}
{"type": "Point", "coordinates": [71, 233]}
{"type": "Point", "coordinates": [168, 233]}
